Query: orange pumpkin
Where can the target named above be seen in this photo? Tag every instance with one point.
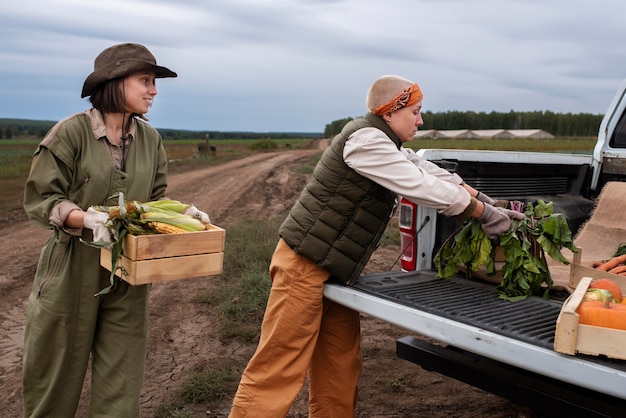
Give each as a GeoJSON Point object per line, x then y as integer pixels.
{"type": "Point", "coordinates": [609, 285]}
{"type": "Point", "coordinates": [597, 314]}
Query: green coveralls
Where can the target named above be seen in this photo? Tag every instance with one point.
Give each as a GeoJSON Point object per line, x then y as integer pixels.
{"type": "Point", "coordinates": [66, 323]}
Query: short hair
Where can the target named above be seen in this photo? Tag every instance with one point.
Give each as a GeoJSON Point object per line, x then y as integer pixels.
{"type": "Point", "coordinates": [109, 97]}
{"type": "Point", "coordinates": [384, 89]}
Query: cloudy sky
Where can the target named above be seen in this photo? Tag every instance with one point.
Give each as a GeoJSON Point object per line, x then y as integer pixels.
{"type": "Point", "coordinates": [297, 65]}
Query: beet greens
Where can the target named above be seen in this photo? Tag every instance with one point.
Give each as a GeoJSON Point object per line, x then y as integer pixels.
{"type": "Point", "coordinates": [525, 244]}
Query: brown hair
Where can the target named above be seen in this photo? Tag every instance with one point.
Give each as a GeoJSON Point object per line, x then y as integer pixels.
{"type": "Point", "coordinates": [109, 97]}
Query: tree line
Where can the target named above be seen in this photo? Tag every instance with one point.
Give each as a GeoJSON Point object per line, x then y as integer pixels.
{"type": "Point", "coordinates": [558, 124]}
{"type": "Point", "coordinates": [27, 128]}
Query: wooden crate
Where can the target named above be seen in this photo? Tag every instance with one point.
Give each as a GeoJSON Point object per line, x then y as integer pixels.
{"type": "Point", "coordinates": [165, 257]}
{"type": "Point", "coordinates": [572, 337]}
{"type": "Point", "coordinates": [579, 269]}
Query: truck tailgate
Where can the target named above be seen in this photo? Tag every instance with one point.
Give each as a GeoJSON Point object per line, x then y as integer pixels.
{"type": "Point", "coordinates": [469, 315]}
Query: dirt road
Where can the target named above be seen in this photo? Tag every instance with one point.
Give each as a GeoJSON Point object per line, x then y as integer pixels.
{"type": "Point", "coordinates": [182, 333]}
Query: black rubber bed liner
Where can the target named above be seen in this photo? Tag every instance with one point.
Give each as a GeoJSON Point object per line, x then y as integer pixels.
{"type": "Point", "coordinates": [474, 303]}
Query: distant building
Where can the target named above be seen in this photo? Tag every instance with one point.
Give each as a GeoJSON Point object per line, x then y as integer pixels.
{"type": "Point", "coordinates": [493, 133]}
{"type": "Point", "coordinates": [428, 133]}
{"type": "Point", "coordinates": [457, 134]}
{"type": "Point", "coordinates": [483, 133]}
{"type": "Point", "coordinates": [531, 133]}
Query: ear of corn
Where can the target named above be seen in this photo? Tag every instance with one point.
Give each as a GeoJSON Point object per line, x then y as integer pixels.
{"type": "Point", "coordinates": [179, 220]}
{"type": "Point", "coordinates": [137, 229]}
{"type": "Point", "coordinates": [129, 210]}
{"type": "Point", "coordinates": [156, 209]}
{"type": "Point", "coordinates": [163, 228]}
{"type": "Point", "coordinates": [133, 209]}
{"type": "Point", "coordinates": [167, 204]}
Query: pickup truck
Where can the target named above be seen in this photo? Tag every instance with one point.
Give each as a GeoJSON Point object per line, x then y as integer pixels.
{"type": "Point", "coordinates": [506, 348]}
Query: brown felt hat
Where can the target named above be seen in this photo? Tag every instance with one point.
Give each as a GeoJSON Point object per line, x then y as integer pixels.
{"type": "Point", "coordinates": [119, 61]}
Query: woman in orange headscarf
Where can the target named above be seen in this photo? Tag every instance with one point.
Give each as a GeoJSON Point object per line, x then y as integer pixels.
{"type": "Point", "coordinates": [330, 234]}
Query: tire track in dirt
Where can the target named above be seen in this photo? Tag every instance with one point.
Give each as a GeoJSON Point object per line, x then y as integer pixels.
{"type": "Point", "coordinates": [19, 251]}
{"type": "Point", "coordinates": [182, 333]}
{"type": "Point", "coordinates": [238, 188]}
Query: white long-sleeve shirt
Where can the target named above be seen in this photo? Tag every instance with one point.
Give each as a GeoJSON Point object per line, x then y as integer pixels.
{"type": "Point", "coordinates": [373, 155]}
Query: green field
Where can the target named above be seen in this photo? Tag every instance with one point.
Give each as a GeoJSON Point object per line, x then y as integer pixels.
{"type": "Point", "coordinates": [16, 155]}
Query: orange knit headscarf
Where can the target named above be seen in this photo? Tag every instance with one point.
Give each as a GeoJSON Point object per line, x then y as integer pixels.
{"type": "Point", "coordinates": [407, 97]}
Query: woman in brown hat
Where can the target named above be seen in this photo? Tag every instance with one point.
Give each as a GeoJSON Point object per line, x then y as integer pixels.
{"type": "Point", "coordinates": [87, 159]}
{"type": "Point", "coordinates": [330, 234]}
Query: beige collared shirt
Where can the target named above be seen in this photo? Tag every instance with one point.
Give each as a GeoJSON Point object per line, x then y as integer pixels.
{"type": "Point", "coordinates": [99, 132]}
{"type": "Point", "coordinates": [372, 154]}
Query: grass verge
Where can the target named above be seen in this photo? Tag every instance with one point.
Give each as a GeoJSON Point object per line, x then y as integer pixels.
{"type": "Point", "coordinates": [206, 385]}
{"type": "Point", "coordinates": [239, 301]}
{"type": "Point", "coordinates": [244, 285]}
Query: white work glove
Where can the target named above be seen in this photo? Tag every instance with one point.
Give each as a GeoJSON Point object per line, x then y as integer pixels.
{"type": "Point", "coordinates": [97, 222]}
{"type": "Point", "coordinates": [486, 199]}
{"type": "Point", "coordinates": [194, 212]}
{"type": "Point", "coordinates": [496, 221]}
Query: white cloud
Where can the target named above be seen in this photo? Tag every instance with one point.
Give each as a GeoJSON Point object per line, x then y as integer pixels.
{"type": "Point", "coordinates": [285, 65]}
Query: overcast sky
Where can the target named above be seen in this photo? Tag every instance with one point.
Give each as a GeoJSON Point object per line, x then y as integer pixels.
{"type": "Point", "coordinates": [297, 65]}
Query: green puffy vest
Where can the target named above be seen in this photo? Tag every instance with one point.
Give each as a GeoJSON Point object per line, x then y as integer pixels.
{"type": "Point", "coordinates": [340, 215]}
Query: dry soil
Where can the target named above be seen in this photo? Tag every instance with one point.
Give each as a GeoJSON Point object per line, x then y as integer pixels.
{"type": "Point", "coordinates": [183, 335]}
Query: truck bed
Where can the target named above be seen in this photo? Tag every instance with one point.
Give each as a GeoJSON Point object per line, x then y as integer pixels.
{"type": "Point", "coordinates": [468, 316]}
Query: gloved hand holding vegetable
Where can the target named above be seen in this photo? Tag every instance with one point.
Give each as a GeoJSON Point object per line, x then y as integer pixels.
{"type": "Point", "coordinates": [496, 221]}
{"type": "Point", "coordinates": [486, 199]}
{"type": "Point", "coordinates": [97, 221]}
{"type": "Point", "coordinates": [194, 212]}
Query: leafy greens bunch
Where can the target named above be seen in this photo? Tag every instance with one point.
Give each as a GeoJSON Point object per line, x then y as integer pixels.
{"type": "Point", "coordinates": [525, 245]}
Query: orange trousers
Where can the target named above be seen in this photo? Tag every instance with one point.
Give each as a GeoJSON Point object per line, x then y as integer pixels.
{"type": "Point", "coordinates": [302, 333]}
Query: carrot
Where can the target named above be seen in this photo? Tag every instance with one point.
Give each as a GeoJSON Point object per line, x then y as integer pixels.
{"type": "Point", "coordinates": [619, 269]}
{"type": "Point", "coordinates": [597, 263]}
{"type": "Point", "coordinates": [613, 262]}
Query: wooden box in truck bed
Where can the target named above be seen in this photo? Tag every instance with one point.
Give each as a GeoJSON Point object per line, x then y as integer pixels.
{"type": "Point", "coordinates": [572, 337]}
{"type": "Point", "coordinates": [598, 239]}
